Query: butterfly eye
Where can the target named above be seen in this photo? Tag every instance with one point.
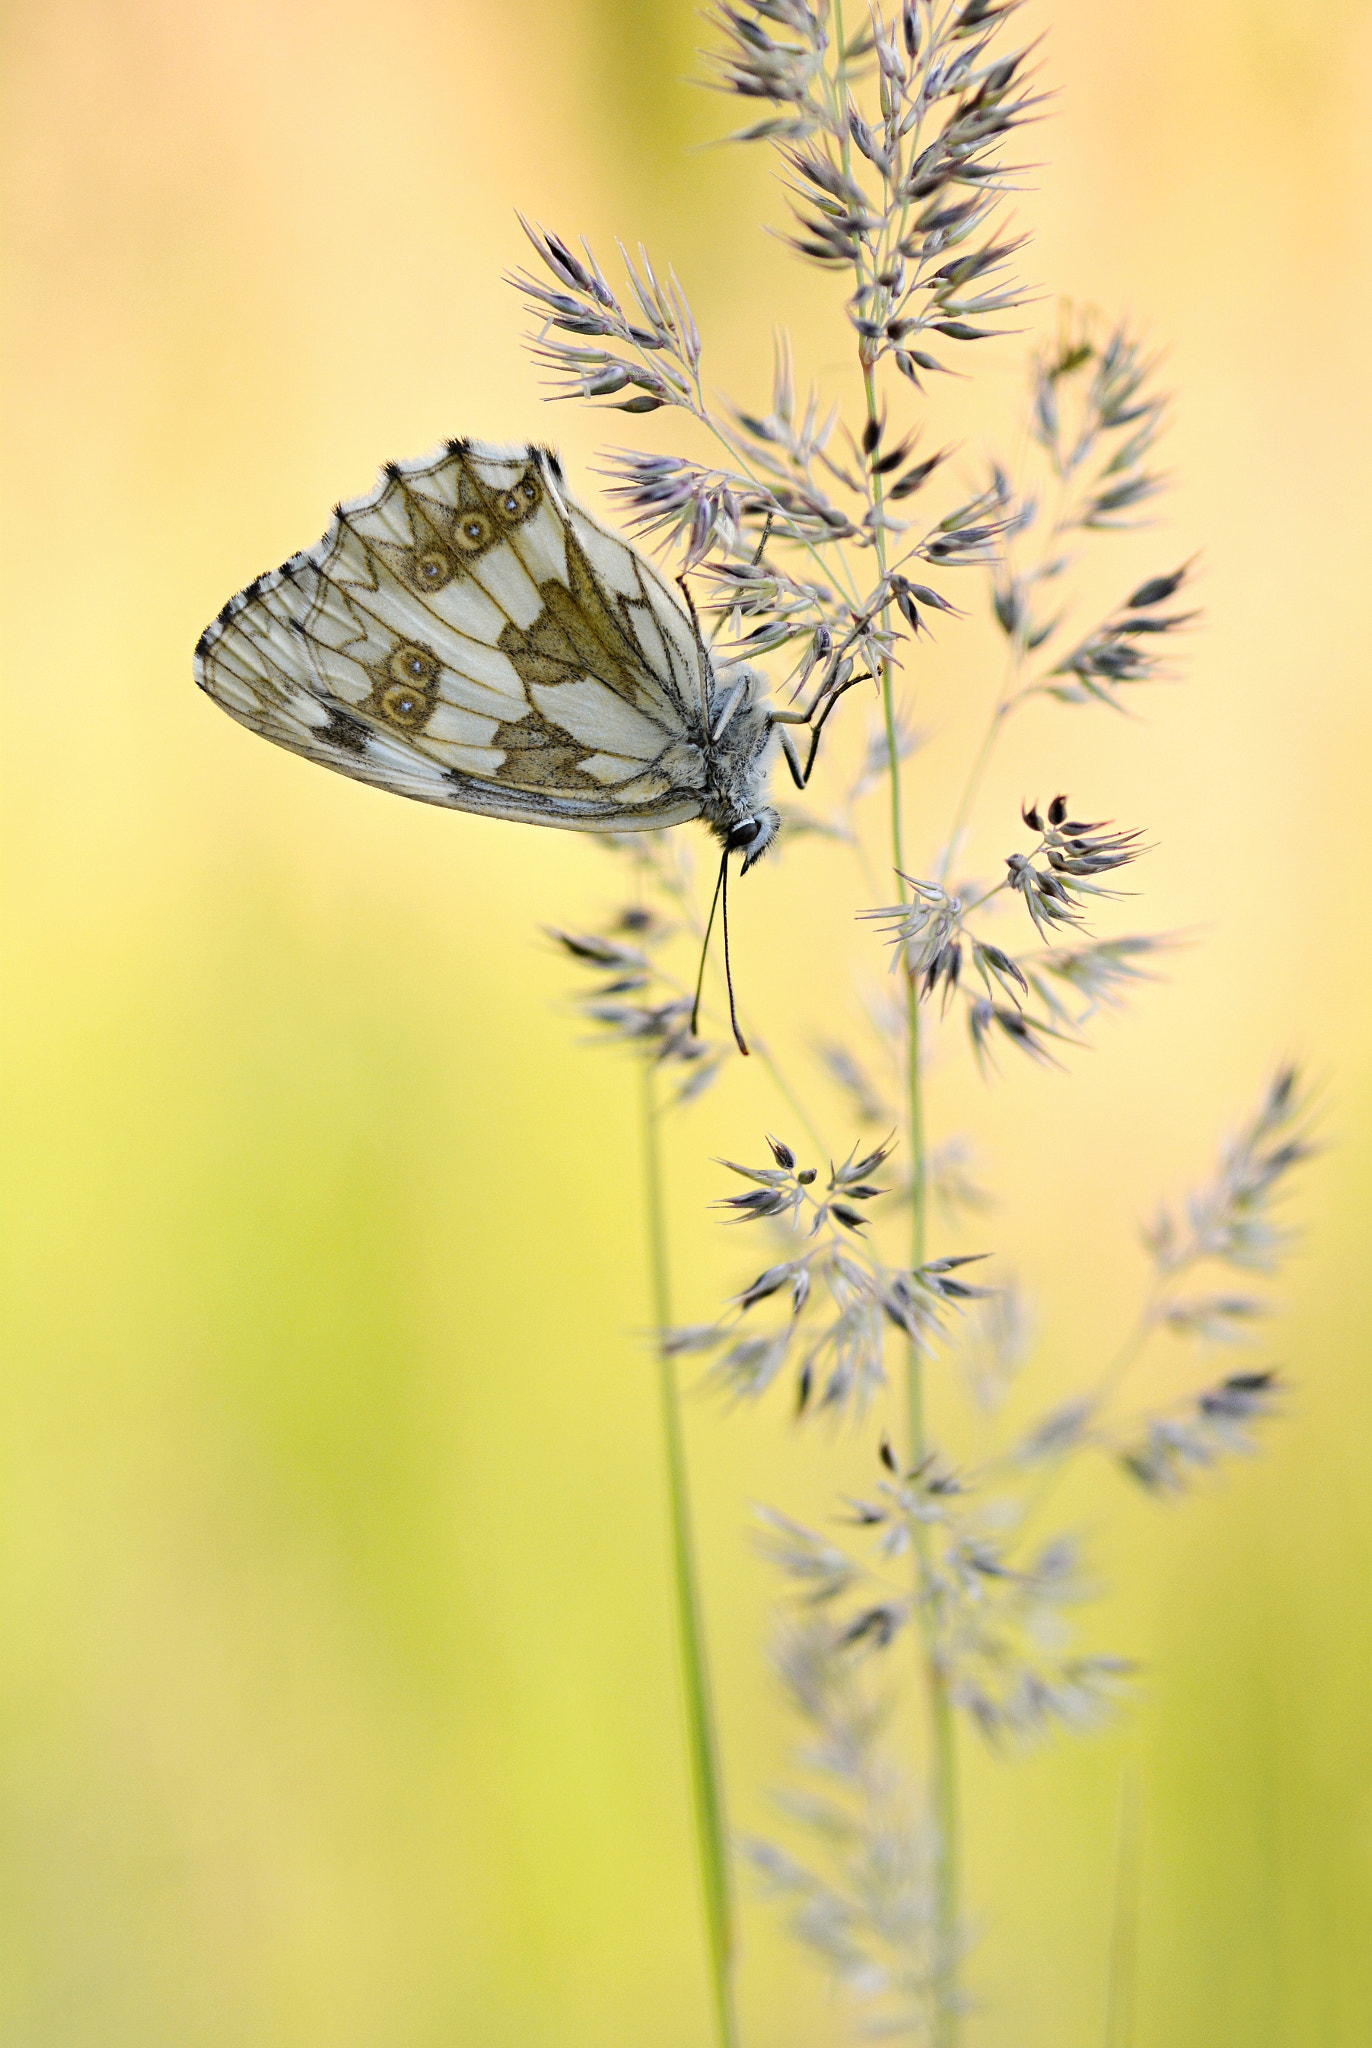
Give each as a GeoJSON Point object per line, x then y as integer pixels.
{"type": "Point", "coordinates": [473, 532]}
{"type": "Point", "coordinates": [752, 836]}
{"type": "Point", "coordinates": [432, 569]}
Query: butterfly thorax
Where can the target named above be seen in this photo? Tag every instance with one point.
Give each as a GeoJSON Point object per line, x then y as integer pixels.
{"type": "Point", "coordinates": [737, 762]}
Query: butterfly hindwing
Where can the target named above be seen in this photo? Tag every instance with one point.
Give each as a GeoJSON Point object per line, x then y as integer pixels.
{"type": "Point", "coordinates": [467, 635]}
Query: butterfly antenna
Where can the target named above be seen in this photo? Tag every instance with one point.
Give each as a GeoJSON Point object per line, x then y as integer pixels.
{"type": "Point", "coordinates": [705, 944]}
{"type": "Point", "coordinates": [684, 587]}
{"type": "Point", "coordinates": [739, 1040]}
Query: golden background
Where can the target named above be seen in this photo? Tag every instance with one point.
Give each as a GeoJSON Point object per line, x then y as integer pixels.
{"type": "Point", "coordinates": [337, 1698]}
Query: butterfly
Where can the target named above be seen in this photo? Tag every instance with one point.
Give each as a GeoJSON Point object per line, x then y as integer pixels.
{"type": "Point", "coordinates": [468, 635]}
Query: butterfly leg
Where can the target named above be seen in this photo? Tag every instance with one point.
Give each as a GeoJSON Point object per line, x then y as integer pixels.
{"type": "Point", "coordinates": [814, 719]}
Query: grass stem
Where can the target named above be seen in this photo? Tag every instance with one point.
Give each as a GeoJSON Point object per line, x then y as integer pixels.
{"type": "Point", "coordinates": [943, 1807]}
{"type": "Point", "coordinates": [1119, 1993]}
{"type": "Point", "coordinates": [701, 1739]}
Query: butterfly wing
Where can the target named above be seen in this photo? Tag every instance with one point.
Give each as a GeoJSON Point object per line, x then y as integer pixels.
{"type": "Point", "coordinates": [469, 636]}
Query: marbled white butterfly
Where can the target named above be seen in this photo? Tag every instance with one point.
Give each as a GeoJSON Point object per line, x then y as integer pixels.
{"type": "Point", "coordinates": [468, 635]}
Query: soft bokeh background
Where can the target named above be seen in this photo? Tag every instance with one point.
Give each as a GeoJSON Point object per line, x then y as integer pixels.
{"type": "Point", "coordinates": [337, 1699]}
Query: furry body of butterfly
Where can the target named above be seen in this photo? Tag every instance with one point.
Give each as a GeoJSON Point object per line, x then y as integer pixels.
{"type": "Point", "coordinates": [466, 634]}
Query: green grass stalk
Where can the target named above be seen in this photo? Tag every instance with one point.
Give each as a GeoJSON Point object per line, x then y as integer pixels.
{"type": "Point", "coordinates": [943, 1805]}
{"type": "Point", "coordinates": [1119, 1991]}
{"type": "Point", "coordinates": [701, 1739]}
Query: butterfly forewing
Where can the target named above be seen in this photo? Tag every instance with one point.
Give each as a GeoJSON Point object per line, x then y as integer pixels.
{"type": "Point", "coordinates": [467, 635]}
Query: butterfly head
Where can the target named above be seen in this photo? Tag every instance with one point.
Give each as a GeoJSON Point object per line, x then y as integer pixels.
{"type": "Point", "coordinates": [753, 835]}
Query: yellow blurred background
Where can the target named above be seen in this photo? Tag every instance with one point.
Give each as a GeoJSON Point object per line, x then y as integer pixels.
{"type": "Point", "coordinates": [337, 1695]}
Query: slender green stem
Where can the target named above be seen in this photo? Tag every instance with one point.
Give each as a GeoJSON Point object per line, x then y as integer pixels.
{"type": "Point", "coordinates": [942, 1734]}
{"type": "Point", "coordinates": [1119, 1991]}
{"type": "Point", "coordinates": [702, 1741]}
{"type": "Point", "coordinates": [947, 1875]}
{"type": "Point", "coordinates": [943, 1744]}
